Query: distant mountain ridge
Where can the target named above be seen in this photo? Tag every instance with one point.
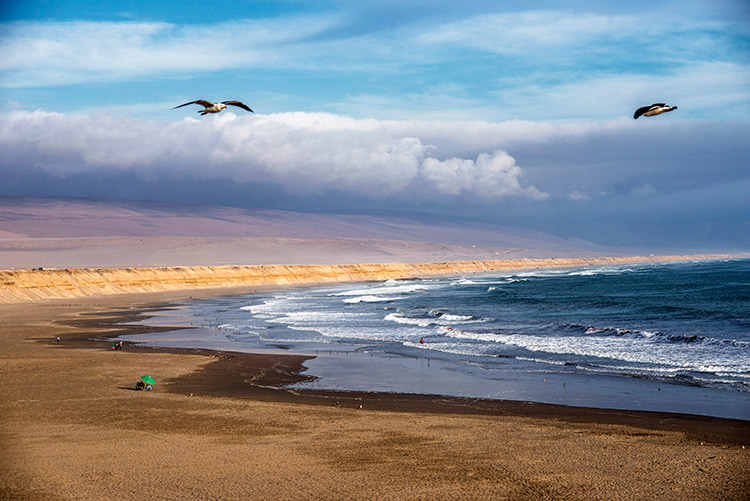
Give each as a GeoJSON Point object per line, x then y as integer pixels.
{"type": "Point", "coordinates": [51, 232]}
{"type": "Point", "coordinates": [38, 217]}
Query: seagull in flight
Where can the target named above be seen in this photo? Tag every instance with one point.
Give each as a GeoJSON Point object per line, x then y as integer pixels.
{"type": "Point", "coordinates": [653, 110]}
{"type": "Point", "coordinates": [210, 107]}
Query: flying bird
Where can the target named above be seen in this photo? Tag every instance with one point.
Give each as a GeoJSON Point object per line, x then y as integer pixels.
{"type": "Point", "coordinates": [653, 110]}
{"type": "Point", "coordinates": [210, 107]}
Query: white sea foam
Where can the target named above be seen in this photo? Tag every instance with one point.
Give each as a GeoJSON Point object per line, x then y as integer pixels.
{"type": "Point", "coordinates": [451, 348]}
{"type": "Point", "coordinates": [591, 330]}
{"type": "Point", "coordinates": [583, 273]}
{"type": "Point", "coordinates": [599, 271]}
{"type": "Point", "coordinates": [272, 305]}
{"type": "Point", "coordinates": [542, 273]}
{"type": "Point", "coordinates": [302, 318]}
{"type": "Point", "coordinates": [400, 319]}
{"type": "Point", "coordinates": [542, 360]}
{"type": "Point", "coordinates": [499, 285]}
{"type": "Point", "coordinates": [724, 369]}
{"type": "Point", "coordinates": [456, 318]}
{"type": "Point", "coordinates": [694, 357]}
{"type": "Point", "coordinates": [371, 299]}
{"type": "Point", "coordinates": [436, 318]}
{"type": "Point", "coordinates": [464, 334]}
{"type": "Point", "coordinates": [380, 290]}
{"type": "Point", "coordinates": [450, 317]}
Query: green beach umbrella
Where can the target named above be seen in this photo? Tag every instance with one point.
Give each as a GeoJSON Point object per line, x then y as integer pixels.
{"type": "Point", "coordinates": [148, 379]}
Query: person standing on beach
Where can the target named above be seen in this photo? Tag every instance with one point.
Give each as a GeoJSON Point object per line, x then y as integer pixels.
{"type": "Point", "coordinates": [58, 339]}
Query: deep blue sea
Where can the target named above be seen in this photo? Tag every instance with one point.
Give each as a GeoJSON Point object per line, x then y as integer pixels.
{"type": "Point", "coordinates": [667, 337]}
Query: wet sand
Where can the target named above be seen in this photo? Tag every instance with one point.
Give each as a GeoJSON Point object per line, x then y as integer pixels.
{"type": "Point", "coordinates": [74, 428]}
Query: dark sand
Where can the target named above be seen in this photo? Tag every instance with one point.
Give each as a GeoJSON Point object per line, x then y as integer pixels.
{"type": "Point", "coordinates": [218, 427]}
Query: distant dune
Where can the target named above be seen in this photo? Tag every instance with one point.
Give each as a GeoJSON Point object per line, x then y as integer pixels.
{"type": "Point", "coordinates": [31, 285]}
{"type": "Point", "coordinates": [82, 233]}
{"type": "Point", "coordinates": [62, 248]}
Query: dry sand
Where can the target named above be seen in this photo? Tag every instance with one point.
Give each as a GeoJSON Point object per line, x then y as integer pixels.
{"type": "Point", "coordinates": [72, 428]}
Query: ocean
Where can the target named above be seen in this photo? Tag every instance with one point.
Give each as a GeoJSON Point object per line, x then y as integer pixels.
{"type": "Point", "coordinates": [669, 337]}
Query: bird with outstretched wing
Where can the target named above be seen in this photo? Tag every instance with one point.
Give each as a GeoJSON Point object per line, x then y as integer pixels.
{"type": "Point", "coordinates": [209, 107]}
{"type": "Point", "coordinates": [653, 110]}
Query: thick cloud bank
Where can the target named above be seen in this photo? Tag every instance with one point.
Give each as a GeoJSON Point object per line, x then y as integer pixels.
{"type": "Point", "coordinates": [302, 153]}
{"type": "Point", "coordinates": [662, 182]}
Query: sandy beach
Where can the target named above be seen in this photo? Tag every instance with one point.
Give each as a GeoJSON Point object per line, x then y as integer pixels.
{"type": "Point", "coordinates": [350, 250]}
{"type": "Point", "coordinates": [216, 427]}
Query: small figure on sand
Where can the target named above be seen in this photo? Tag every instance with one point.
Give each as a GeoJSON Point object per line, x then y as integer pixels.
{"type": "Point", "coordinates": [58, 339]}
{"type": "Point", "coordinates": [145, 383]}
{"type": "Point", "coordinates": [142, 386]}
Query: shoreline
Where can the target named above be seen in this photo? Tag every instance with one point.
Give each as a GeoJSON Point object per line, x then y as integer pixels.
{"type": "Point", "coordinates": [76, 405]}
{"type": "Point", "coordinates": [28, 285]}
{"type": "Point", "coordinates": [262, 376]}
{"type": "Point", "coordinates": [227, 375]}
{"type": "Point", "coordinates": [337, 370]}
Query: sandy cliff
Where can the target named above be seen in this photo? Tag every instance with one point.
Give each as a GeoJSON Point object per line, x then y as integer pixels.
{"type": "Point", "coordinates": [39, 284]}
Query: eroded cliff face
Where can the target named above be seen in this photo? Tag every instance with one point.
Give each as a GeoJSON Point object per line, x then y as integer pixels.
{"type": "Point", "coordinates": [17, 286]}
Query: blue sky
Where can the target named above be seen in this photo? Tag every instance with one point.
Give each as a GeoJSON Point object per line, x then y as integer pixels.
{"type": "Point", "coordinates": [515, 112]}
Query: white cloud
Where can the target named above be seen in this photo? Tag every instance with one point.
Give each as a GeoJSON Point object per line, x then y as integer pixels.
{"type": "Point", "coordinates": [62, 53]}
{"type": "Point", "coordinates": [538, 64]}
{"type": "Point", "coordinates": [522, 32]}
{"type": "Point", "coordinates": [700, 89]}
{"type": "Point", "coordinates": [303, 153]}
{"type": "Point", "coordinates": [577, 196]}
{"type": "Point", "coordinates": [596, 178]}
{"type": "Point", "coordinates": [563, 34]}
{"type": "Point", "coordinates": [493, 175]}
{"type": "Point", "coordinates": [58, 53]}
{"type": "Point", "coordinates": [438, 161]}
